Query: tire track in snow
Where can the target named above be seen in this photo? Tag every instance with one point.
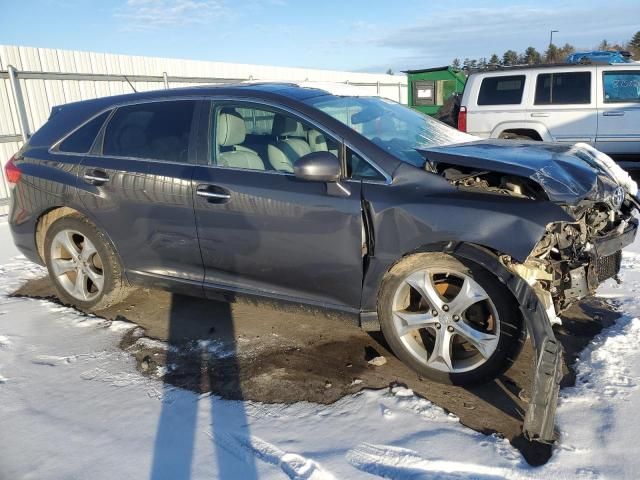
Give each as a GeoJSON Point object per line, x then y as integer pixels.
{"type": "Point", "coordinates": [295, 466]}
{"type": "Point", "coordinates": [402, 463]}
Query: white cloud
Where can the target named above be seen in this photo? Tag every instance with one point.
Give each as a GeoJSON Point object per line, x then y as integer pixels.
{"type": "Point", "coordinates": [151, 14]}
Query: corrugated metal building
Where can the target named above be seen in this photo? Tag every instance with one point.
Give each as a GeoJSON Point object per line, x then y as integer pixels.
{"type": "Point", "coordinates": [45, 77]}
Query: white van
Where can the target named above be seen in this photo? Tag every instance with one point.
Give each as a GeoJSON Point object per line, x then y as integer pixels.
{"type": "Point", "coordinates": [596, 104]}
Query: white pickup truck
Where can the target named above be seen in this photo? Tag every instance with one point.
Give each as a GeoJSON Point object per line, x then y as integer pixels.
{"type": "Point", "coordinates": [595, 104]}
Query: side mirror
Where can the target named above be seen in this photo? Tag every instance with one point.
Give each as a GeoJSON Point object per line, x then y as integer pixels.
{"type": "Point", "coordinates": [318, 167]}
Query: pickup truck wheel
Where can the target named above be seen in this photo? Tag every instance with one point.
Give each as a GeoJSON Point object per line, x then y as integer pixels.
{"type": "Point", "coordinates": [449, 319]}
{"type": "Point", "coordinates": [83, 265]}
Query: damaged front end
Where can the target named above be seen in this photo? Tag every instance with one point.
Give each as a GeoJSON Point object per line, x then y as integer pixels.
{"type": "Point", "coordinates": [571, 258]}
{"type": "Point", "coordinates": [567, 265]}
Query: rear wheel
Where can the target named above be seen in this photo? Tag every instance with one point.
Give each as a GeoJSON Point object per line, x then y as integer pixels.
{"type": "Point", "coordinates": [450, 320]}
{"type": "Point", "coordinates": [83, 265]}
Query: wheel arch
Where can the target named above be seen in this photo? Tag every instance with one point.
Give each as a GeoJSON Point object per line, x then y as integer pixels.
{"type": "Point", "coordinates": [52, 214]}
{"type": "Point", "coordinates": [522, 128]}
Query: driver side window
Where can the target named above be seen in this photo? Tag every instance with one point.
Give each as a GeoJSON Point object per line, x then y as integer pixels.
{"type": "Point", "coordinates": [246, 137]}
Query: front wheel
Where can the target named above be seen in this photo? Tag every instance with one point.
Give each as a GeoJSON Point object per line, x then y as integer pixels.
{"type": "Point", "coordinates": [449, 319]}
{"type": "Point", "coordinates": [83, 265]}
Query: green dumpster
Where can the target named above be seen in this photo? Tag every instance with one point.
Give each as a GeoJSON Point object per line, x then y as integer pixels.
{"type": "Point", "coordinates": [429, 88]}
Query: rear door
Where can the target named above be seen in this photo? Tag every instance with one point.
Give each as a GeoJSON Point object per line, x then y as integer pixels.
{"type": "Point", "coordinates": [619, 110]}
{"type": "Point", "coordinates": [136, 184]}
{"type": "Point", "coordinates": [565, 102]}
{"type": "Point", "coordinates": [264, 231]}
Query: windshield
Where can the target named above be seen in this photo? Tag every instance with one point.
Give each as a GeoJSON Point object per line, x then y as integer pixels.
{"type": "Point", "coordinates": [394, 127]}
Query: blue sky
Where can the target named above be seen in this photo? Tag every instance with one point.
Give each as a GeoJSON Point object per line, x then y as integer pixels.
{"type": "Point", "coordinates": [358, 35]}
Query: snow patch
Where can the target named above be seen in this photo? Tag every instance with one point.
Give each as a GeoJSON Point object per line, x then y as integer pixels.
{"type": "Point", "coordinates": [402, 463]}
{"type": "Point", "coordinates": [295, 466]}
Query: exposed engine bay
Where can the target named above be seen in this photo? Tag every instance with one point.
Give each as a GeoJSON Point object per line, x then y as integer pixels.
{"type": "Point", "coordinates": [572, 258]}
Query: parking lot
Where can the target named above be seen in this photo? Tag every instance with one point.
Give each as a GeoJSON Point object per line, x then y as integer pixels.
{"type": "Point", "coordinates": [279, 353]}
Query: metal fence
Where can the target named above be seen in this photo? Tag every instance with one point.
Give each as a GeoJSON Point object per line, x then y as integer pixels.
{"type": "Point", "coordinates": [32, 80]}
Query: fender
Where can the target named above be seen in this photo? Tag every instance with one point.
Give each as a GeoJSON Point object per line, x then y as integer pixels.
{"type": "Point", "coordinates": [539, 422]}
{"type": "Point", "coordinates": [508, 225]}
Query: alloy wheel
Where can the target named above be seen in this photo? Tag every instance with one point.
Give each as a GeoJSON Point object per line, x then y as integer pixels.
{"type": "Point", "coordinates": [76, 265]}
{"type": "Point", "coordinates": [446, 320]}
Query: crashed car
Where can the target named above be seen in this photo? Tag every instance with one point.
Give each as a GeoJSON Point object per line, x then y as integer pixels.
{"type": "Point", "coordinates": [454, 247]}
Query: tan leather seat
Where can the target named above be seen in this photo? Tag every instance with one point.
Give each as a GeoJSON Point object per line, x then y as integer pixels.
{"type": "Point", "coordinates": [230, 133]}
{"type": "Point", "coordinates": [290, 146]}
{"type": "Point", "coordinates": [317, 141]}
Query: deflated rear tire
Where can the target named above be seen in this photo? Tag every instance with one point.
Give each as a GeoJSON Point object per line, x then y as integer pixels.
{"type": "Point", "coordinates": [83, 265]}
{"type": "Point", "coordinates": [449, 319]}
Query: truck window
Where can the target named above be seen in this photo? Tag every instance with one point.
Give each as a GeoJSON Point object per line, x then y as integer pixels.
{"type": "Point", "coordinates": [622, 87]}
{"type": "Point", "coordinates": [506, 90]}
{"type": "Point", "coordinates": [563, 88]}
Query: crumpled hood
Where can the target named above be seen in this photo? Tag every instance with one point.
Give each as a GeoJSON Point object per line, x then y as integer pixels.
{"type": "Point", "coordinates": [567, 175]}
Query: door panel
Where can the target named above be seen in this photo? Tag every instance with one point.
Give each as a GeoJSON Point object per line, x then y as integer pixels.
{"type": "Point", "coordinates": [279, 235]}
{"type": "Point", "coordinates": [146, 208]}
{"type": "Point", "coordinates": [619, 111]}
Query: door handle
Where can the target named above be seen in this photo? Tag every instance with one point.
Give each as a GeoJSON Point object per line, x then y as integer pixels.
{"type": "Point", "coordinates": [213, 194]}
{"type": "Point", "coordinates": [96, 176]}
{"type": "Point", "coordinates": [540, 114]}
{"type": "Point", "coordinates": [615, 113]}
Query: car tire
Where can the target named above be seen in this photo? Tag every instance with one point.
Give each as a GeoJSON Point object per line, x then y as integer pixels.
{"type": "Point", "coordinates": [416, 326]}
{"type": "Point", "coordinates": [83, 264]}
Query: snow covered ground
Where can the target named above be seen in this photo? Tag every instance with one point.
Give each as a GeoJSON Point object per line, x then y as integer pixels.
{"type": "Point", "coordinates": [72, 405]}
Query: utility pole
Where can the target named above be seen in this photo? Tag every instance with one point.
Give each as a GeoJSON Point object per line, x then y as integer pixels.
{"type": "Point", "coordinates": [551, 37]}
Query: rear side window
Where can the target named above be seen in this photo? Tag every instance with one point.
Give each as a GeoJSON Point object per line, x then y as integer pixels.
{"type": "Point", "coordinates": [501, 90]}
{"type": "Point", "coordinates": [81, 140]}
{"type": "Point", "coordinates": [622, 87]}
{"type": "Point", "coordinates": [563, 88]}
{"type": "Point", "coordinates": [157, 131]}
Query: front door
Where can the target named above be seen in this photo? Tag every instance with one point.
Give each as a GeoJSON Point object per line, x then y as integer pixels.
{"type": "Point", "coordinates": [137, 186]}
{"type": "Point", "coordinates": [261, 229]}
{"type": "Point", "coordinates": [619, 111]}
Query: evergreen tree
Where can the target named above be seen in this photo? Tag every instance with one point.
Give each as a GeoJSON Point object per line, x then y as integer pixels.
{"type": "Point", "coordinates": [531, 56]}
{"type": "Point", "coordinates": [552, 55]}
{"type": "Point", "coordinates": [566, 50]}
{"type": "Point", "coordinates": [604, 45]}
{"type": "Point", "coordinates": [456, 63]}
{"type": "Point", "coordinates": [510, 57]}
{"type": "Point", "coordinates": [634, 46]}
{"type": "Point", "coordinates": [494, 60]}
{"type": "Point", "coordinates": [389, 72]}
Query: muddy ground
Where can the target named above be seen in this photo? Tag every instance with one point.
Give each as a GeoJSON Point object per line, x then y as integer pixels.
{"type": "Point", "coordinates": [282, 353]}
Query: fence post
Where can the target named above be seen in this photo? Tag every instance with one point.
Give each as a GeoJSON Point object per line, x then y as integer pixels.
{"type": "Point", "coordinates": [378, 88]}
{"type": "Point", "coordinates": [399, 92]}
{"type": "Point", "coordinates": [19, 102]}
{"type": "Point", "coordinates": [166, 80]}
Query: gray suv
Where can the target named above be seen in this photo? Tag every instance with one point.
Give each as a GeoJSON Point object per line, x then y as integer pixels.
{"type": "Point", "coordinates": [454, 247]}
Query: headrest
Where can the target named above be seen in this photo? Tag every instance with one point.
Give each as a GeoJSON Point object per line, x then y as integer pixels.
{"type": "Point", "coordinates": [231, 129]}
{"type": "Point", "coordinates": [284, 126]}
